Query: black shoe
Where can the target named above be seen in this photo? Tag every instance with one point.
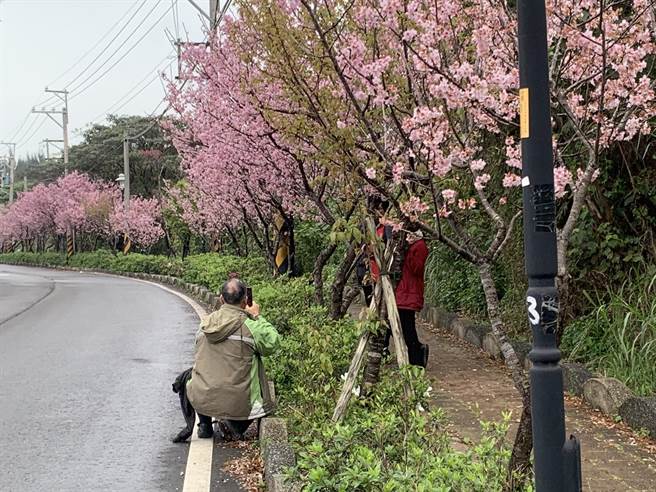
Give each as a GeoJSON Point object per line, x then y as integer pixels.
{"type": "Point", "coordinates": [182, 436]}
{"type": "Point", "coordinates": [205, 431]}
{"type": "Point", "coordinates": [424, 352]}
{"type": "Point", "coordinates": [225, 431]}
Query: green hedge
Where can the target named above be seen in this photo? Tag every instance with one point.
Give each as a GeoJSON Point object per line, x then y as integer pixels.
{"type": "Point", "coordinates": [212, 269]}
{"type": "Point", "coordinates": [101, 259]}
{"type": "Point", "coordinates": [618, 337]}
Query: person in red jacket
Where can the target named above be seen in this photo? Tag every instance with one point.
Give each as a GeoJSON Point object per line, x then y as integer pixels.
{"type": "Point", "coordinates": [410, 296]}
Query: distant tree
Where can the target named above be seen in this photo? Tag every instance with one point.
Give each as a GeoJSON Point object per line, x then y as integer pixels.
{"type": "Point", "coordinates": [152, 157]}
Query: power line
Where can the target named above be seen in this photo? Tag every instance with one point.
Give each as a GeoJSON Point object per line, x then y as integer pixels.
{"type": "Point", "coordinates": [28, 130]}
{"type": "Point", "coordinates": [137, 93]}
{"type": "Point", "coordinates": [53, 98]}
{"type": "Point", "coordinates": [20, 127]}
{"type": "Point", "coordinates": [77, 62]}
{"type": "Point", "coordinates": [110, 43]}
{"type": "Point", "coordinates": [129, 93]}
{"type": "Point", "coordinates": [27, 139]}
{"type": "Point", "coordinates": [176, 19]}
{"type": "Point", "coordinates": [80, 91]}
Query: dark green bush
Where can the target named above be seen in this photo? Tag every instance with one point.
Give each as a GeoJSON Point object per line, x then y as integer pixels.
{"type": "Point", "coordinates": [212, 269]}
{"type": "Point", "coordinates": [453, 284]}
{"type": "Point", "coordinates": [37, 259]}
{"type": "Point", "coordinates": [310, 238]}
{"type": "Point", "coordinates": [102, 260]}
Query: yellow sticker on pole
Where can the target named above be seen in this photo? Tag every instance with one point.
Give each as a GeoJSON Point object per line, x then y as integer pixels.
{"type": "Point", "coordinates": [524, 131]}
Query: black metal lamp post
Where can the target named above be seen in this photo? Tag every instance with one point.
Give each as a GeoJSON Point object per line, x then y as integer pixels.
{"type": "Point", "coordinates": [557, 460]}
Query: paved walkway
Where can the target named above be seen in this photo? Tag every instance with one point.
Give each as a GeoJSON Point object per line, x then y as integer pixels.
{"type": "Point", "coordinates": [470, 386]}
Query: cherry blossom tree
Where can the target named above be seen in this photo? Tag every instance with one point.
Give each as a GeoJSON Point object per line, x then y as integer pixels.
{"type": "Point", "coordinates": [419, 101]}
{"type": "Point", "coordinates": [77, 206]}
{"type": "Point", "coordinates": [240, 167]}
{"type": "Point", "coordinates": [140, 222]}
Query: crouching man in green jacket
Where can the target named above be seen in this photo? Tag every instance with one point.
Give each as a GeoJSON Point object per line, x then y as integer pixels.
{"type": "Point", "coordinates": [228, 381]}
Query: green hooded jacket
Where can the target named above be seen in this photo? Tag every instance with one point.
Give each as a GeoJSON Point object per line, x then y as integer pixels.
{"type": "Point", "coordinates": [228, 379]}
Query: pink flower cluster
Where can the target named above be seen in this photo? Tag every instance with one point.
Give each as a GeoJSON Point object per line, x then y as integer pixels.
{"type": "Point", "coordinates": [75, 203]}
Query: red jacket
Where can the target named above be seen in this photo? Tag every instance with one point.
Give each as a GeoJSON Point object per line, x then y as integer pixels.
{"type": "Point", "coordinates": [410, 290]}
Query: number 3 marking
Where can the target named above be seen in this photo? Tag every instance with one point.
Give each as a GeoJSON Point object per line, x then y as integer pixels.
{"type": "Point", "coordinates": [533, 315]}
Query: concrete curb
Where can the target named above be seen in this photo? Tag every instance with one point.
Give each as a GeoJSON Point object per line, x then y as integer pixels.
{"type": "Point", "coordinates": [608, 395]}
{"type": "Point", "coordinates": [277, 453]}
{"type": "Point", "coordinates": [640, 413]}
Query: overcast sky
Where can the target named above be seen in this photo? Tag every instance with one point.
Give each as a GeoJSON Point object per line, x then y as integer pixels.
{"type": "Point", "coordinates": [54, 43]}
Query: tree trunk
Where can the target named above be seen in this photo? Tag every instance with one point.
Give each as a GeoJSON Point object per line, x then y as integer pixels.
{"type": "Point", "coordinates": [245, 234]}
{"type": "Point", "coordinates": [337, 289]}
{"type": "Point", "coordinates": [235, 241]}
{"type": "Point", "coordinates": [185, 246]}
{"type": "Point", "coordinates": [520, 460]}
{"type": "Point", "coordinates": [375, 353]}
{"type": "Point", "coordinates": [349, 296]}
{"type": "Point", "coordinates": [565, 303]}
{"type": "Point", "coordinates": [317, 272]}
{"type": "Point", "coordinates": [291, 254]}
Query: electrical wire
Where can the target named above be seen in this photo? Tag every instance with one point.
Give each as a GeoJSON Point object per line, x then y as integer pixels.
{"type": "Point", "coordinates": [20, 127]}
{"type": "Point", "coordinates": [134, 14]}
{"type": "Point", "coordinates": [28, 139]}
{"type": "Point", "coordinates": [53, 98]}
{"type": "Point", "coordinates": [156, 69]}
{"type": "Point", "coordinates": [115, 109]}
{"type": "Point", "coordinates": [104, 36]}
{"type": "Point", "coordinates": [176, 19]}
{"type": "Point", "coordinates": [137, 93]}
{"type": "Point", "coordinates": [80, 91]}
{"type": "Point", "coordinates": [28, 130]}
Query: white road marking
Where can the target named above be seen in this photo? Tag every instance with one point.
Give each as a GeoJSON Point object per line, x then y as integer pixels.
{"type": "Point", "coordinates": [198, 473]}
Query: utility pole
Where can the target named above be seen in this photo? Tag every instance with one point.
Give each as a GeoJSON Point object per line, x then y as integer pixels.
{"type": "Point", "coordinates": [12, 167]}
{"type": "Point", "coordinates": [557, 459]}
{"type": "Point", "coordinates": [63, 96]}
{"type": "Point", "coordinates": [126, 170]}
{"type": "Point", "coordinates": [214, 7]}
{"type": "Point", "coordinates": [54, 143]}
{"type": "Point", "coordinates": [216, 11]}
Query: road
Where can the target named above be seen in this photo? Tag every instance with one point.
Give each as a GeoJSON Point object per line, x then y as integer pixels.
{"type": "Point", "coordinates": [86, 366]}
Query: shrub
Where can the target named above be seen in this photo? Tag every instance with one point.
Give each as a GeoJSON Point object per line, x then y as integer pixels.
{"type": "Point", "coordinates": [102, 259]}
{"type": "Point", "coordinates": [37, 259]}
{"type": "Point", "coordinates": [453, 284]}
{"type": "Point", "coordinates": [385, 442]}
{"type": "Point", "coordinates": [310, 239]}
{"type": "Point", "coordinates": [619, 336]}
{"type": "Point", "coordinates": [212, 269]}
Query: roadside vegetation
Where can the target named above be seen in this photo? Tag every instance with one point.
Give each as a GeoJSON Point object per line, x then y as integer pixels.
{"type": "Point", "coordinates": [386, 442]}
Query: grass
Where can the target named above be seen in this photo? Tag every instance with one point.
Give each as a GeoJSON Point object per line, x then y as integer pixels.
{"type": "Point", "coordinates": [618, 337]}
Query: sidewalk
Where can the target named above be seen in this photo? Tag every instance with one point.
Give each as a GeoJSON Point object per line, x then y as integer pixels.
{"type": "Point", "coordinates": [470, 386]}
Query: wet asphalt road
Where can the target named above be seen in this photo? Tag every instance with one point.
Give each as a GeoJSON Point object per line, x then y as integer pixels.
{"type": "Point", "coordinates": [86, 366]}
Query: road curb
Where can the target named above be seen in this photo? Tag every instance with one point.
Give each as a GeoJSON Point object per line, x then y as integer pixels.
{"type": "Point", "coordinates": [277, 453]}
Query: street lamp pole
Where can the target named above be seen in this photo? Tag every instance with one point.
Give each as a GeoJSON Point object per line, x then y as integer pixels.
{"type": "Point", "coordinates": [557, 459]}
{"type": "Point", "coordinates": [126, 170]}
